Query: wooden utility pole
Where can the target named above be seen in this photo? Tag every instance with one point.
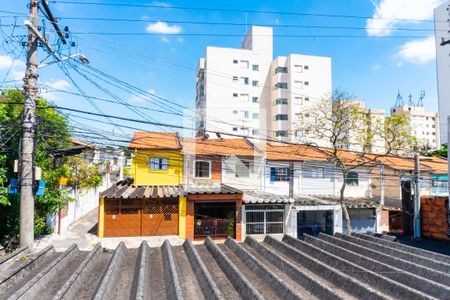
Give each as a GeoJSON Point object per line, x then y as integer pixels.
{"type": "Point", "coordinates": [30, 90]}
{"type": "Point", "coordinates": [417, 229]}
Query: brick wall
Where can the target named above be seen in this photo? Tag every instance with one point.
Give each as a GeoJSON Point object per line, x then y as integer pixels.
{"type": "Point", "coordinates": [434, 213]}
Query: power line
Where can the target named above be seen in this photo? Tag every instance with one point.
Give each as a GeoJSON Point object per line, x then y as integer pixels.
{"type": "Point", "coordinates": [168, 7]}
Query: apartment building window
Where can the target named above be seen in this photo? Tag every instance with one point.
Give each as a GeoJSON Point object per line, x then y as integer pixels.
{"type": "Point", "coordinates": [255, 116]}
{"type": "Point", "coordinates": [264, 219]}
{"type": "Point", "coordinates": [306, 83]}
{"type": "Point", "coordinates": [202, 169]}
{"type": "Point", "coordinates": [244, 114]}
{"type": "Point", "coordinates": [235, 112]}
{"type": "Point", "coordinates": [306, 67]}
{"type": "Point", "coordinates": [255, 67]}
{"type": "Point", "coordinates": [298, 100]}
{"type": "Point", "coordinates": [159, 164]}
{"type": "Point", "coordinates": [281, 101]}
{"type": "Point", "coordinates": [244, 80]}
{"type": "Point", "coordinates": [281, 117]}
{"type": "Point", "coordinates": [306, 99]}
{"type": "Point", "coordinates": [281, 85]}
{"type": "Point", "coordinates": [235, 129]}
{"type": "Point", "coordinates": [255, 99]}
{"type": "Point", "coordinates": [255, 131]}
{"type": "Point", "coordinates": [313, 172]}
{"type": "Point", "coordinates": [244, 64]}
{"type": "Point", "coordinates": [279, 174]}
{"type": "Point", "coordinates": [281, 133]}
{"type": "Point", "coordinates": [255, 83]}
{"type": "Point", "coordinates": [352, 179]}
{"type": "Point", "coordinates": [235, 61]}
{"type": "Point", "coordinates": [281, 70]}
{"type": "Point", "coordinates": [243, 97]}
{"type": "Point", "coordinates": [235, 78]}
{"type": "Point", "coordinates": [235, 95]}
{"type": "Point", "coordinates": [298, 84]}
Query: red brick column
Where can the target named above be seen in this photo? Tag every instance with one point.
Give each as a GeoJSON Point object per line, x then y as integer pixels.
{"type": "Point", "coordinates": [434, 212]}
{"type": "Point", "coordinates": [239, 220]}
{"type": "Point", "coordinates": [189, 219]}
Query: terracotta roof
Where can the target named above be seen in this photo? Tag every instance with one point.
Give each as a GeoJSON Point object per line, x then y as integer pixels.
{"type": "Point", "coordinates": [155, 140]}
{"type": "Point", "coordinates": [293, 152]}
{"type": "Point", "coordinates": [233, 146]}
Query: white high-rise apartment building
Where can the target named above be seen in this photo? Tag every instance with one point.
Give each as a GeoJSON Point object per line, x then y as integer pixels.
{"type": "Point", "coordinates": [245, 91]}
{"type": "Point", "coordinates": [442, 32]}
{"type": "Point", "coordinates": [424, 125]}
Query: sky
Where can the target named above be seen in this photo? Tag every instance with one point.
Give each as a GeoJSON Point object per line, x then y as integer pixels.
{"type": "Point", "coordinates": [380, 51]}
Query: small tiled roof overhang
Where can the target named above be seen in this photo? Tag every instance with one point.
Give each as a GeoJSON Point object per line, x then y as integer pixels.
{"type": "Point", "coordinates": [253, 197]}
{"type": "Point", "coordinates": [211, 189]}
{"type": "Point", "coordinates": [232, 146]}
{"type": "Point", "coordinates": [126, 189]}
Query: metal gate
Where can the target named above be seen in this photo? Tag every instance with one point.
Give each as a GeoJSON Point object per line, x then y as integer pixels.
{"type": "Point", "coordinates": [141, 217]}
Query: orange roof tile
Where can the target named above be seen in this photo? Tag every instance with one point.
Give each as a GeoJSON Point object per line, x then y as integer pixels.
{"type": "Point", "coordinates": [155, 140]}
{"type": "Point", "coordinates": [232, 146]}
{"type": "Point", "coordinates": [293, 152]}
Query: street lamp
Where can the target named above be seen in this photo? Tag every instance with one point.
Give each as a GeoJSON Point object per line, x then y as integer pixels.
{"type": "Point", "coordinates": [80, 56]}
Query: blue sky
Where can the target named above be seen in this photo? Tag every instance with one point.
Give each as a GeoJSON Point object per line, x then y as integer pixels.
{"type": "Point", "coordinates": [372, 67]}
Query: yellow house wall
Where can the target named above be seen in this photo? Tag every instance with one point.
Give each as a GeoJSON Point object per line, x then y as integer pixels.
{"type": "Point", "coordinates": [182, 218]}
{"type": "Point", "coordinates": [143, 175]}
{"type": "Point", "coordinates": [101, 217]}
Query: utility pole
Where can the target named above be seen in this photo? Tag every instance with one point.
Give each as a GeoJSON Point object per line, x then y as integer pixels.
{"type": "Point", "coordinates": [30, 90]}
{"type": "Point", "coordinates": [291, 179]}
{"type": "Point", "coordinates": [417, 229]}
{"type": "Point", "coordinates": [381, 185]}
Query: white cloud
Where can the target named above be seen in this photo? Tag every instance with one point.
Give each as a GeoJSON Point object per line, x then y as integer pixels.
{"type": "Point", "coordinates": [165, 39]}
{"type": "Point", "coordinates": [417, 51]}
{"type": "Point", "coordinates": [56, 84]}
{"type": "Point", "coordinates": [140, 98]}
{"type": "Point", "coordinates": [16, 67]}
{"type": "Point", "coordinates": [5, 61]}
{"type": "Point", "coordinates": [163, 28]}
{"type": "Point", "coordinates": [389, 14]}
{"type": "Point", "coordinates": [163, 4]}
{"type": "Point", "coordinates": [376, 67]}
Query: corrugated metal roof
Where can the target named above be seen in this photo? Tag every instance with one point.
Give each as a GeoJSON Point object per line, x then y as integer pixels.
{"type": "Point", "coordinates": [327, 267]}
{"type": "Point", "coordinates": [126, 189]}
{"type": "Point", "coordinates": [254, 197]}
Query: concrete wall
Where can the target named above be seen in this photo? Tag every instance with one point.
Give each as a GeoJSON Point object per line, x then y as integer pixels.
{"type": "Point", "coordinates": [252, 182]}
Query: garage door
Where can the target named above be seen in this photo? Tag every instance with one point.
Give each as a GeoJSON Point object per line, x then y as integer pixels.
{"type": "Point", "coordinates": [141, 217]}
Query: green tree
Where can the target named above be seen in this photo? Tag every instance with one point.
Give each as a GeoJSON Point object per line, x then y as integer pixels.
{"type": "Point", "coordinates": [52, 133]}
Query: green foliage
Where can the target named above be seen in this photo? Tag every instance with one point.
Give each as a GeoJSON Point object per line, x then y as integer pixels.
{"type": "Point", "coordinates": [52, 133]}
{"type": "Point", "coordinates": [443, 152]}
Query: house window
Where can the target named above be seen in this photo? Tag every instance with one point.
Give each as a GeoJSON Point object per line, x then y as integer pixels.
{"type": "Point", "coordinates": [280, 101]}
{"type": "Point", "coordinates": [279, 174]}
{"type": "Point", "coordinates": [159, 164]}
{"type": "Point", "coordinates": [281, 117]}
{"type": "Point", "coordinates": [314, 172]}
{"type": "Point", "coordinates": [255, 99]}
{"type": "Point", "coordinates": [202, 169]}
{"type": "Point", "coordinates": [255, 67]}
{"type": "Point", "coordinates": [352, 179]}
{"type": "Point", "coordinates": [281, 70]}
{"type": "Point", "coordinates": [281, 85]}
{"type": "Point", "coordinates": [255, 83]}
{"type": "Point", "coordinates": [281, 133]}
{"type": "Point", "coordinates": [264, 219]}
{"type": "Point", "coordinates": [242, 169]}
{"type": "Point", "coordinates": [235, 129]}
